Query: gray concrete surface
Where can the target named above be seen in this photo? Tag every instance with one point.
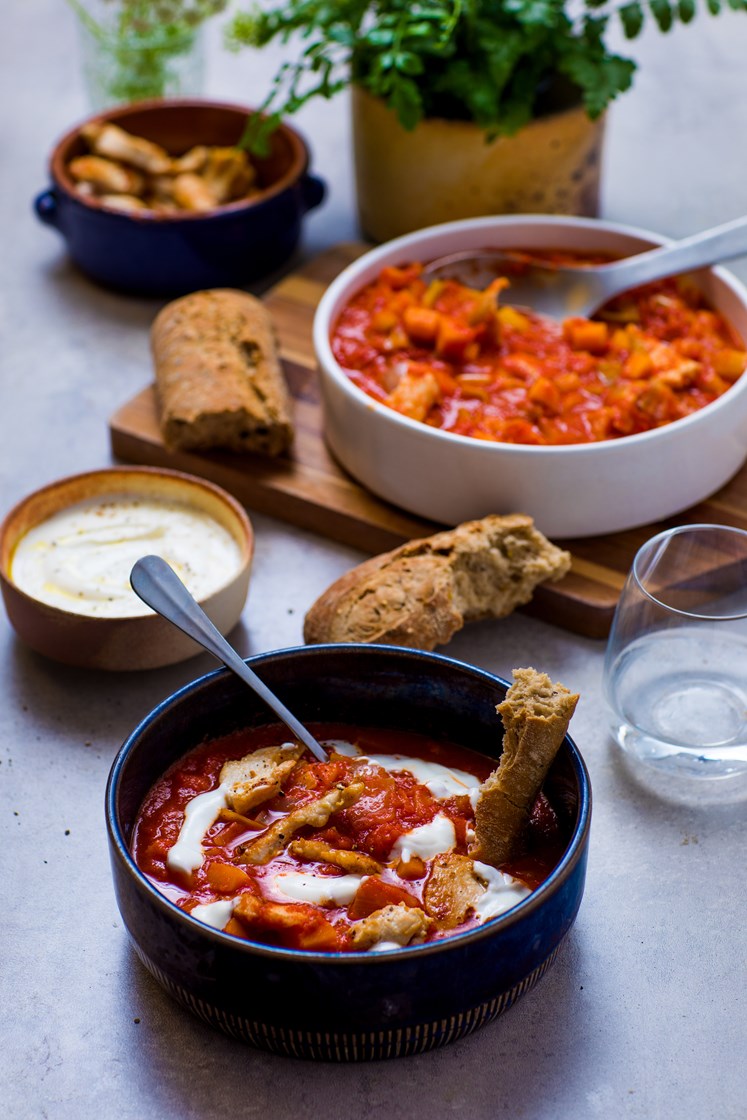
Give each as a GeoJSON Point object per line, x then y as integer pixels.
{"type": "Point", "coordinates": [643, 1015]}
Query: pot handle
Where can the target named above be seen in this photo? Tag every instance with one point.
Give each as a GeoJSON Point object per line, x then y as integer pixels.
{"type": "Point", "coordinates": [313, 191]}
{"type": "Point", "coordinates": [45, 205]}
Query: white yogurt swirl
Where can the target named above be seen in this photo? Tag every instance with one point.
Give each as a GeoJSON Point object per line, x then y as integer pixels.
{"type": "Point", "coordinates": [80, 559]}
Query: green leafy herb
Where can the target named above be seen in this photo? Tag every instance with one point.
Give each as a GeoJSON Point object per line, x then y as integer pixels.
{"type": "Point", "coordinates": [490, 61]}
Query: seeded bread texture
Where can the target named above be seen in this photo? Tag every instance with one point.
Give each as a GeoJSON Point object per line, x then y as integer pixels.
{"type": "Point", "coordinates": [218, 375]}
{"type": "Point", "coordinates": [421, 593]}
{"type": "Point", "coordinates": [535, 715]}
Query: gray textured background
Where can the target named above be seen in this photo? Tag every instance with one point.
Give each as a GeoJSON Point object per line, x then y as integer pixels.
{"type": "Point", "coordinates": [643, 1015]}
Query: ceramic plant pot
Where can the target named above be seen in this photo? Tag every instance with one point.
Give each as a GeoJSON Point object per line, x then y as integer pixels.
{"type": "Point", "coordinates": [446, 170]}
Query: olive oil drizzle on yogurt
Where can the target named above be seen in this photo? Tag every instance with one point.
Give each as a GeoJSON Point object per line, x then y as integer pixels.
{"type": "Point", "coordinates": [79, 559]}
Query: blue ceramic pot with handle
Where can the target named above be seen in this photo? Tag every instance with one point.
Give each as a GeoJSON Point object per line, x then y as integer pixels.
{"type": "Point", "coordinates": [151, 253]}
{"type": "Point", "coordinates": [354, 1005]}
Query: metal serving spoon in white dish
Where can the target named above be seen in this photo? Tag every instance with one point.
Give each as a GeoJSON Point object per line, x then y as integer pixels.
{"type": "Point", "coordinates": [159, 586]}
{"type": "Point", "coordinates": [562, 290]}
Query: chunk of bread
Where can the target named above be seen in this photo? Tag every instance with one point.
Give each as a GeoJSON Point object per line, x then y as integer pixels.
{"type": "Point", "coordinates": [420, 594]}
{"type": "Point", "coordinates": [218, 376]}
{"type": "Point", "coordinates": [535, 714]}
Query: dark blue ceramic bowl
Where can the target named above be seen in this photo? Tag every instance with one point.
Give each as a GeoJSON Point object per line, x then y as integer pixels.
{"type": "Point", "coordinates": [152, 254]}
{"type": "Point", "coordinates": [344, 1006]}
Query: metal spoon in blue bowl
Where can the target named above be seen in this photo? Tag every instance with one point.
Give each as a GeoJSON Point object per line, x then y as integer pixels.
{"type": "Point", "coordinates": [160, 588]}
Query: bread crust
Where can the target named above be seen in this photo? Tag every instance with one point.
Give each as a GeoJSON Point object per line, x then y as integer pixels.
{"type": "Point", "coordinates": [219, 380]}
{"type": "Point", "coordinates": [535, 714]}
{"type": "Point", "coordinates": [420, 594]}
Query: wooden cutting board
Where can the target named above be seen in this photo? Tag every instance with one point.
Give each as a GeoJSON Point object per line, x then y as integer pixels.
{"type": "Point", "coordinates": [310, 490]}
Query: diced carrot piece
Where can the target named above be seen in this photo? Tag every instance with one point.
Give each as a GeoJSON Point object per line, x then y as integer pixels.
{"type": "Point", "coordinates": [320, 937]}
{"type": "Point", "coordinates": [620, 339]}
{"type": "Point", "coordinates": [729, 363]}
{"type": "Point", "coordinates": [586, 334]}
{"type": "Point", "coordinates": [519, 431]}
{"type": "Point", "coordinates": [384, 320]}
{"type": "Point", "coordinates": [226, 878]}
{"type": "Point", "coordinates": [453, 340]}
{"type": "Point", "coordinates": [412, 868]}
{"type": "Point", "coordinates": [566, 382]}
{"type": "Point", "coordinates": [374, 893]}
{"type": "Point", "coordinates": [422, 325]}
{"type": "Point", "coordinates": [638, 365]}
{"type": "Point", "coordinates": [402, 301]}
{"type": "Point", "coordinates": [544, 392]}
{"type": "Point", "coordinates": [236, 928]}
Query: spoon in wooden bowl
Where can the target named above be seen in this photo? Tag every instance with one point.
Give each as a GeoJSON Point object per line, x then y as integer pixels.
{"type": "Point", "coordinates": [158, 585]}
{"type": "Point", "coordinates": [562, 290]}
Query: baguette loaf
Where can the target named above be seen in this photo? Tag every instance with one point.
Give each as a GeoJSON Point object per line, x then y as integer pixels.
{"type": "Point", "coordinates": [218, 376]}
{"type": "Point", "coordinates": [535, 716]}
{"type": "Point", "coordinates": [420, 594]}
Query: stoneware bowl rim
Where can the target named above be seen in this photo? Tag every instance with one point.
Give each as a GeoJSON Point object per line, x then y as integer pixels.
{"type": "Point", "coordinates": [560, 873]}
{"type": "Point", "coordinates": [347, 282]}
{"type": "Point", "coordinates": [63, 181]}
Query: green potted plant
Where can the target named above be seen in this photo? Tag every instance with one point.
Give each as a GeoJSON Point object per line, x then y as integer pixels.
{"type": "Point", "coordinates": [460, 107]}
{"type": "Point", "coordinates": [137, 49]}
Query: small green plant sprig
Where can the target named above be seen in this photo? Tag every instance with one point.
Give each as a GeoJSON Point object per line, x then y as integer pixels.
{"type": "Point", "coordinates": [481, 60]}
{"type": "Point", "coordinates": [141, 39]}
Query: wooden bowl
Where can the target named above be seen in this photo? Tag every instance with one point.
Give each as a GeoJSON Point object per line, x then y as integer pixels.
{"type": "Point", "coordinates": [142, 641]}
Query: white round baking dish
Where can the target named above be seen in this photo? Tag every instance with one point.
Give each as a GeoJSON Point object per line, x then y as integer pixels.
{"type": "Point", "coordinates": [570, 491]}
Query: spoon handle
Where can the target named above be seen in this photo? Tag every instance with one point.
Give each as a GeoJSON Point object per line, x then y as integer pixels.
{"type": "Point", "coordinates": [719, 244]}
{"type": "Point", "coordinates": [158, 585]}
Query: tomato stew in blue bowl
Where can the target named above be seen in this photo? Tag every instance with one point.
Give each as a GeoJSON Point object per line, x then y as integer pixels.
{"type": "Point", "coordinates": [287, 987]}
{"type": "Point", "coordinates": [156, 253]}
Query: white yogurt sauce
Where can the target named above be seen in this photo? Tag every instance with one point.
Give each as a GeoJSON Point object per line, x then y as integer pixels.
{"type": "Point", "coordinates": [80, 559]}
{"type": "Point", "coordinates": [501, 891]}
{"type": "Point", "coordinates": [215, 914]}
{"type": "Point", "coordinates": [322, 890]}
{"type": "Point", "coordinates": [441, 781]}
{"type": "Point", "coordinates": [187, 853]}
{"type": "Point", "coordinates": [427, 840]}
{"type": "Point", "coordinates": [384, 946]}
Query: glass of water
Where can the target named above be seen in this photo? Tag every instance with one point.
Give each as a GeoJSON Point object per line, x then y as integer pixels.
{"type": "Point", "coordinates": [676, 667]}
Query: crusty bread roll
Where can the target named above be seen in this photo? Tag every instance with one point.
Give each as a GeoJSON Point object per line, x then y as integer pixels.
{"type": "Point", "coordinates": [218, 375]}
{"type": "Point", "coordinates": [535, 716]}
{"type": "Point", "coordinates": [420, 594]}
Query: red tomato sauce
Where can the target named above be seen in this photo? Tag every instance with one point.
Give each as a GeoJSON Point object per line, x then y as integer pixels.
{"type": "Point", "coordinates": [394, 803]}
{"type": "Point", "coordinates": [447, 355]}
